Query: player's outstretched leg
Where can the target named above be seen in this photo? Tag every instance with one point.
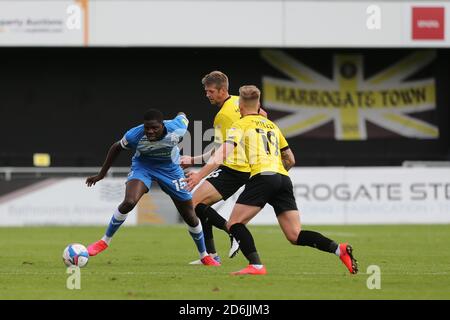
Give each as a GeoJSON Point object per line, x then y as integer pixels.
{"type": "Point", "coordinates": [343, 250]}
{"type": "Point", "coordinates": [134, 191]}
{"type": "Point", "coordinates": [289, 221]}
{"type": "Point", "coordinates": [116, 221]}
{"type": "Point", "coordinates": [247, 244]}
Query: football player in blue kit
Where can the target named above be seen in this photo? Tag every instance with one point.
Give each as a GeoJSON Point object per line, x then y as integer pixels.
{"type": "Point", "coordinates": [156, 158]}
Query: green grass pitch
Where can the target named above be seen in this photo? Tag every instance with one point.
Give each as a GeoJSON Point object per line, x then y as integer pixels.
{"type": "Point", "coordinates": [151, 262]}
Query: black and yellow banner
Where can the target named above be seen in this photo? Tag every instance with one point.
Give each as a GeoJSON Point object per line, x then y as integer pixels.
{"type": "Point", "coordinates": [349, 100]}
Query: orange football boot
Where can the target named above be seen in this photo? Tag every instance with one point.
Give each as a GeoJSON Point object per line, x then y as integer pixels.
{"type": "Point", "coordinates": [97, 247]}
{"type": "Point", "coordinates": [210, 261]}
{"type": "Point", "coordinates": [250, 269]}
{"type": "Point", "coordinates": [347, 258]}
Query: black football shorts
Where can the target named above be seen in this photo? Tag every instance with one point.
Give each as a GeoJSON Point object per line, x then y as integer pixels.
{"type": "Point", "coordinates": [227, 181]}
{"type": "Point", "coordinates": [272, 188]}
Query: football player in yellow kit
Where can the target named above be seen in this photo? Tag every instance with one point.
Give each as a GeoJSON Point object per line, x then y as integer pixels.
{"type": "Point", "coordinates": [269, 157]}
{"type": "Point", "coordinates": [234, 171]}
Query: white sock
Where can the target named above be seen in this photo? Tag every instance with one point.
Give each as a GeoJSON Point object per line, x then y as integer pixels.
{"type": "Point", "coordinates": [258, 266]}
{"type": "Point", "coordinates": [197, 229]}
{"type": "Point", "coordinates": [107, 239]}
{"type": "Point", "coordinates": [338, 251]}
{"type": "Point", "coordinates": [120, 216]}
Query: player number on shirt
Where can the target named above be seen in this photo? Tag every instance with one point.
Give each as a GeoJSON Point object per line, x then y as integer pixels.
{"type": "Point", "coordinates": [269, 139]}
{"type": "Point", "coordinates": [179, 184]}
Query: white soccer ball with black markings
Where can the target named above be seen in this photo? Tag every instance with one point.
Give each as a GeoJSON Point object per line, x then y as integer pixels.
{"type": "Point", "coordinates": [75, 254]}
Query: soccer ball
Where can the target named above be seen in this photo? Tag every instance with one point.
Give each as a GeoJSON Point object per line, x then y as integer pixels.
{"type": "Point", "coordinates": [75, 254]}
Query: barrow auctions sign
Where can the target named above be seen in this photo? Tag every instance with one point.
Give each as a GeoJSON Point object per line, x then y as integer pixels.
{"type": "Point", "coordinates": [43, 23]}
{"type": "Point", "coordinates": [68, 202]}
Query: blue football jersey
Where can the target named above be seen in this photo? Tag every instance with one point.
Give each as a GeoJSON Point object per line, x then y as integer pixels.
{"type": "Point", "coordinates": [164, 150]}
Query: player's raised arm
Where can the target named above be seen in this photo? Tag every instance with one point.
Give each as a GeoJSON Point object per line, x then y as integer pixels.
{"type": "Point", "coordinates": [113, 152]}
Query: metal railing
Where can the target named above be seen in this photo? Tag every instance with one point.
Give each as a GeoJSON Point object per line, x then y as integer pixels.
{"type": "Point", "coordinates": [9, 173]}
{"type": "Point", "coordinates": [426, 164]}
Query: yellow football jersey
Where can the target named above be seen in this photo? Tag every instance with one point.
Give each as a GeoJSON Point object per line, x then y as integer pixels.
{"type": "Point", "coordinates": [262, 142]}
{"type": "Point", "coordinates": [229, 114]}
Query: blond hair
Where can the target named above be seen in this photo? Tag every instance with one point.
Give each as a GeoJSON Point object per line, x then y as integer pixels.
{"type": "Point", "coordinates": [249, 97]}
{"type": "Point", "coordinates": [249, 93]}
{"type": "Point", "coordinates": [216, 78]}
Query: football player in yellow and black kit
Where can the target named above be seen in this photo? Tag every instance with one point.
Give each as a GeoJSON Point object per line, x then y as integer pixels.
{"type": "Point", "coordinates": [269, 157]}
{"type": "Point", "coordinates": [231, 175]}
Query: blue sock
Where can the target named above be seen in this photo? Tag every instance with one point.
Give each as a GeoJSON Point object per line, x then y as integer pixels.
{"type": "Point", "coordinates": [197, 235]}
{"type": "Point", "coordinates": [116, 221]}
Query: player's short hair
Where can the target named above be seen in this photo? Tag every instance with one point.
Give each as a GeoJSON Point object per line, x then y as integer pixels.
{"type": "Point", "coordinates": [154, 114]}
{"type": "Point", "coordinates": [216, 78]}
{"type": "Point", "coordinates": [249, 93]}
